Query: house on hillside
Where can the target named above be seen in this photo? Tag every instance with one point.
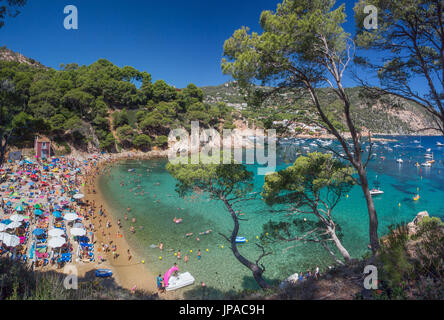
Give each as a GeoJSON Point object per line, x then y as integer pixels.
{"type": "Point", "coordinates": [42, 147]}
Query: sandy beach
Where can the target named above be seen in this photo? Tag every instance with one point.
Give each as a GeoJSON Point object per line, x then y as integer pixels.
{"type": "Point", "coordinates": [128, 273]}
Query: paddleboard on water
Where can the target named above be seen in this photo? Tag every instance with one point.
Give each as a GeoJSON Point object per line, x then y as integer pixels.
{"type": "Point", "coordinates": [240, 239]}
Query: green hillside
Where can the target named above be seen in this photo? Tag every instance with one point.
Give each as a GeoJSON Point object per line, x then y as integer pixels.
{"type": "Point", "coordinates": [96, 107]}
{"type": "Point", "coordinates": [385, 115]}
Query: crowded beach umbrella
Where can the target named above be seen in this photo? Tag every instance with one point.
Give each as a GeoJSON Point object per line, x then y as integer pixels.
{"type": "Point", "coordinates": [9, 240]}
{"type": "Point", "coordinates": [38, 206]}
{"type": "Point", "coordinates": [78, 231]}
{"type": "Point", "coordinates": [38, 212]}
{"type": "Point", "coordinates": [57, 214]}
{"type": "Point", "coordinates": [3, 227]}
{"type": "Point", "coordinates": [14, 225]}
{"type": "Point", "coordinates": [78, 225]}
{"type": "Point", "coordinates": [6, 221]}
{"type": "Point", "coordinates": [17, 217]}
{"type": "Point", "coordinates": [56, 242]}
{"type": "Point", "coordinates": [56, 232]}
{"type": "Point", "coordinates": [38, 232]}
{"type": "Point", "coordinates": [19, 208]}
{"type": "Point", "coordinates": [78, 196]}
{"type": "Point", "coordinates": [70, 216]}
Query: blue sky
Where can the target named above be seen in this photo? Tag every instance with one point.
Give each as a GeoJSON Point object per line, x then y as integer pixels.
{"type": "Point", "coordinates": [177, 41]}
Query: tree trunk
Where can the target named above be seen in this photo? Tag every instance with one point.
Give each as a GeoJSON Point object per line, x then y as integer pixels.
{"type": "Point", "coordinates": [373, 219]}
{"type": "Point", "coordinates": [325, 245]}
{"type": "Point", "coordinates": [255, 269]}
{"type": "Point", "coordinates": [2, 151]}
{"type": "Point", "coordinates": [339, 245]}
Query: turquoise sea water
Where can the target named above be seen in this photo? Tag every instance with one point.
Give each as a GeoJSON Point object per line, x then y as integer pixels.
{"type": "Point", "coordinates": [159, 204]}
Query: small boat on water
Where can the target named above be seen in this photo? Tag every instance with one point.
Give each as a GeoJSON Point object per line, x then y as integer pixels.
{"type": "Point", "coordinates": [429, 149]}
{"type": "Point", "coordinates": [399, 160]}
{"type": "Point", "coordinates": [416, 141]}
{"type": "Point", "coordinates": [426, 164]}
{"type": "Point", "coordinates": [180, 281]}
{"type": "Point", "coordinates": [375, 192]}
{"type": "Point", "coordinates": [428, 155]}
{"type": "Point", "coordinates": [103, 273]}
{"type": "Point", "coordinates": [439, 144]}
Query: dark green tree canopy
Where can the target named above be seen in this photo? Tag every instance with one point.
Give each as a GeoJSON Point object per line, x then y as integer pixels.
{"type": "Point", "coordinates": [410, 38]}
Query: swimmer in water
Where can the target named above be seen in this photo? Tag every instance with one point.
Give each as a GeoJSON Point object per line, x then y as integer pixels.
{"type": "Point", "coordinates": [189, 234]}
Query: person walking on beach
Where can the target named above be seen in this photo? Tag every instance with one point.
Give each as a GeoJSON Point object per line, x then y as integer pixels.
{"type": "Point", "coordinates": [317, 273]}
{"type": "Point", "coordinates": [159, 283]}
{"type": "Point", "coordinates": [178, 254]}
{"type": "Point", "coordinates": [161, 246]}
{"type": "Point", "coordinates": [185, 258]}
{"type": "Point", "coordinates": [114, 251]}
{"type": "Point", "coordinates": [129, 255]}
{"type": "Point", "coordinates": [198, 254]}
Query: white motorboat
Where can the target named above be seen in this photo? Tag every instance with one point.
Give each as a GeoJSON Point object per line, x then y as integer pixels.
{"type": "Point", "coordinates": [426, 164]}
{"type": "Point", "coordinates": [439, 144]}
{"type": "Point", "coordinates": [375, 192]}
{"type": "Point", "coordinates": [429, 149]}
{"type": "Point", "coordinates": [182, 280]}
{"type": "Point", "coordinates": [428, 156]}
{"type": "Point", "coordinates": [399, 160]}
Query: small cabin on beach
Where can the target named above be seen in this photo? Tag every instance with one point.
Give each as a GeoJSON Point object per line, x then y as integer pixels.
{"type": "Point", "coordinates": [42, 147]}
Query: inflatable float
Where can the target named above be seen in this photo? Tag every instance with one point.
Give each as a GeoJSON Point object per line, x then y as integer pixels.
{"type": "Point", "coordinates": [182, 280]}
{"type": "Point", "coordinates": [241, 240]}
{"type": "Point", "coordinates": [104, 273]}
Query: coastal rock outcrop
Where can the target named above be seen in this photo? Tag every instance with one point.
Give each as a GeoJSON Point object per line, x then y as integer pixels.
{"type": "Point", "coordinates": [413, 226]}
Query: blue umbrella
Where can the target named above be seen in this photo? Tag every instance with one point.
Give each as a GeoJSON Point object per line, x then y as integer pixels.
{"type": "Point", "coordinates": [6, 221]}
{"type": "Point", "coordinates": [38, 212]}
{"type": "Point", "coordinates": [57, 214]}
{"type": "Point", "coordinates": [38, 232]}
{"type": "Point", "coordinates": [19, 208]}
